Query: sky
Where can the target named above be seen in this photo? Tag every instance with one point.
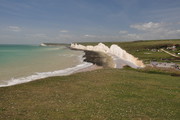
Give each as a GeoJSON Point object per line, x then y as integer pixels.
{"type": "Point", "coordinates": [66, 21]}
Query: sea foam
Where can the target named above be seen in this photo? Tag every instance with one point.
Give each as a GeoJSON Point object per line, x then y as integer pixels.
{"type": "Point", "coordinates": [37, 76]}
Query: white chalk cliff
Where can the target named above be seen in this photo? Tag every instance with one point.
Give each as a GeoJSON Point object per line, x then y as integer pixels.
{"type": "Point", "coordinates": [120, 56]}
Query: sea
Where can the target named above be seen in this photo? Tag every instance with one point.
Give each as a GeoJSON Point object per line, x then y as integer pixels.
{"type": "Point", "coordinates": [25, 63]}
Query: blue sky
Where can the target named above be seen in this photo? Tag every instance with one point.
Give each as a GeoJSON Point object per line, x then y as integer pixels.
{"type": "Point", "coordinates": [65, 21]}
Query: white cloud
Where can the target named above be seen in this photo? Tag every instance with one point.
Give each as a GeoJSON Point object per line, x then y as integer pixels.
{"type": "Point", "coordinates": [63, 31]}
{"type": "Point", "coordinates": [123, 32]}
{"type": "Point", "coordinates": [133, 36]}
{"type": "Point", "coordinates": [152, 30]}
{"type": "Point", "coordinates": [143, 31]}
{"type": "Point", "coordinates": [86, 35]}
{"type": "Point", "coordinates": [14, 28]}
{"type": "Point", "coordinates": [89, 36]}
{"type": "Point", "coordinates": [147, 26]}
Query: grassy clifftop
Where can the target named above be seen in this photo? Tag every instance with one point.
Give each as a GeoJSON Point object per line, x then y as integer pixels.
{"type": "Point", "coordinates": [97, 95]}
{"type": "Point", "coordinates": [148, 50]}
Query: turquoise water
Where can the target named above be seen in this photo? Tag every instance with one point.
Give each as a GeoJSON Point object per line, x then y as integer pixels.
{"type": "Point", "coordinates": [14, 53]}
{"type": "Point", "coordinates": [21, 63]}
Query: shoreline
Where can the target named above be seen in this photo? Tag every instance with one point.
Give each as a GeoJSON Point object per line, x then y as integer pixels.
{"type": "Point", "coordinates": [43, 75]}
{"type": "Point", "coordinates": [92, 61]}
{"type": "Point", "coordinates": [90, 68]}
{"type": "Point", "coordinates": [98, 59]}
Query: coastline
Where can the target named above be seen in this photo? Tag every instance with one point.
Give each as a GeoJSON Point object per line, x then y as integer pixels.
{"type": "Point", "coordinates": [98, 59]}
{"type": "Point", "coordinates": [90, 68]}
{"type": "Point", "coordinates": [43, 75]}
{"type": "Point", "coordinates": [91, 61]}
{"type": "Point", "coordinates": [88, 93]}
{"type": "Point", "coordinates": [119, 55]}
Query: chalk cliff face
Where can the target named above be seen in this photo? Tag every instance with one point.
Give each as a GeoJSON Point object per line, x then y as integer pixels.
{"type": "Point", "coordinates": [120, 56]}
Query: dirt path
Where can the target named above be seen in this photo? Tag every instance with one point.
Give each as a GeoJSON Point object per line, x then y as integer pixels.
{"type": "Point", "coordinates": [170, 53]}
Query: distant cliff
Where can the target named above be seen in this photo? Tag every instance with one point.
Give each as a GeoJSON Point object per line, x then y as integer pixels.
{"type": "Point", "coordinates": [54, 44]}
{"type": "Point", "coordinates": [120, 56]}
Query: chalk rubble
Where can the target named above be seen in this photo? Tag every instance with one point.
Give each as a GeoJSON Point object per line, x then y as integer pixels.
{"type": "Point", "coordinates": [119, 55]}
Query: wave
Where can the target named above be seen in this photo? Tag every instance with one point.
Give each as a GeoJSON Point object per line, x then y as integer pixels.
{"type": "Point", "coordinates": [37, 76]}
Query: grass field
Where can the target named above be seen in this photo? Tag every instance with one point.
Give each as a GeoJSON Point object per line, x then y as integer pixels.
{"type": "Point", "coordinates": [105, 94]}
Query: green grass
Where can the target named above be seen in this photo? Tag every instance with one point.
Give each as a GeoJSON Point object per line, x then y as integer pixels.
{"type": "Point", "coordinates": [140, 48]}
{"type": "Point", "coordinates": [130, 46]}
{"type": "Point", "coordinates": [107, 94]}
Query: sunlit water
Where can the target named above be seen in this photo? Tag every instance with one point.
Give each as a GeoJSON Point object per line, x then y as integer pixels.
{"type": "Point", "coordinates": [21, 63]}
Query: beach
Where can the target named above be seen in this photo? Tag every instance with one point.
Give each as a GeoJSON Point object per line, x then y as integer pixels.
{"type": "Point", "coordinates": [25, 63]}
{"type": "Point", "coordinates": [28, 63]}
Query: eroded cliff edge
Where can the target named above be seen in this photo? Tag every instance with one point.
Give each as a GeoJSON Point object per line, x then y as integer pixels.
{"type": "Point", "coordinates": [120, 56]}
